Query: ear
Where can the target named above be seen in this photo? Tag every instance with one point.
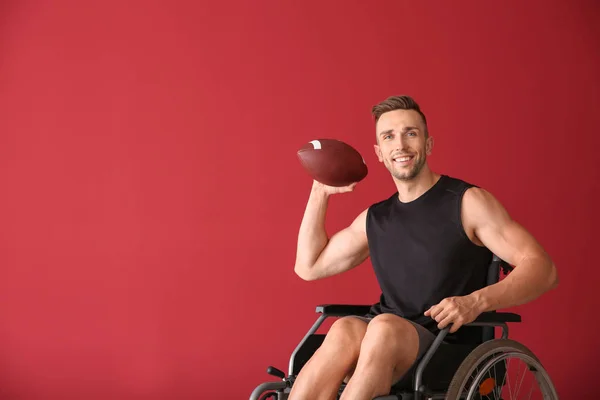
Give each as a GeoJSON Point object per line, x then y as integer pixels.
{"type": "Point", "coordinates": [378, 152]}
{"type": "Point", "coordinates": [429, 145]}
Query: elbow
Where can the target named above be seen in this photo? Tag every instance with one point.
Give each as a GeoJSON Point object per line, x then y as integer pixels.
{"type": "Point", "coordinates": [304, 273]}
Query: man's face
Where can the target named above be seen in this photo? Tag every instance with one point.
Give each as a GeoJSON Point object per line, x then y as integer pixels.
{"type": "Point", "coordinates": [401, 143]}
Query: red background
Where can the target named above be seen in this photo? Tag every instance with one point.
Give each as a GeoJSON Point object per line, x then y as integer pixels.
{"type": "Point", "coordinates": [151, 195]}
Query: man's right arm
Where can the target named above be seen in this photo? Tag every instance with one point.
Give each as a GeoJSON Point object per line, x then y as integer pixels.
{"type": "Point", "coordinates": [319, 256]}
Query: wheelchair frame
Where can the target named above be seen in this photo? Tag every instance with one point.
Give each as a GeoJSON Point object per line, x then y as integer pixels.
{"type": "Point", "coordinates": [488, 320]}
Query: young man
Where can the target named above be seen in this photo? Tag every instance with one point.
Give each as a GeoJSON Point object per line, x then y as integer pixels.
{"type": "Point", "coordinates": [430, 245]}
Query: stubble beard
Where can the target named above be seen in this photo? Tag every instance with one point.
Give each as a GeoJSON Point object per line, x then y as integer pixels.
{"type": "Point", "coordinates": [410, 174]}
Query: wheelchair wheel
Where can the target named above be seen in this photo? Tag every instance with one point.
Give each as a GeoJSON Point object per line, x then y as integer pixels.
{"type": "Point", "coordinates": [501, 369]}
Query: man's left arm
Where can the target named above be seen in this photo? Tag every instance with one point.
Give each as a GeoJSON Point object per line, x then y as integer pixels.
{"type": "Point", "coordinates": [534, 272]}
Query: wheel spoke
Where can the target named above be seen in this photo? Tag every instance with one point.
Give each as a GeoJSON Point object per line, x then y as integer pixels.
{"type": "Point", "coordinates": [521, 381]}
{"type": "Point", "coordinates": [477, 380]}
{"type": "Point", "coordinates": [513, 395]}
{"type": "Point", "coordinates": [531, 391]}
{"type": "Point", "coordinates": [508, 378]}
{"type": "Point", "coordinates": [495, 385]}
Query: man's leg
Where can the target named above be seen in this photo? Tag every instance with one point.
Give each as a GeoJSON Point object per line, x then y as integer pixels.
{"type": "Point", "coordinates": [322, 375]}
{"type": "Point", "coordinates": [388, 351]}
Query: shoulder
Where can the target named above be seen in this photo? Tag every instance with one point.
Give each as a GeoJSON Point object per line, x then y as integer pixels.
{"type": "Point", "coordinates": [480, 210]}
{"type": "Point", "coordinates": [482, 207]}
{"type": "Point", "coordinates": [480, 199]}
{"type": "Point", "coordinates": [471, 194]}
{"type": "Point", "coordinates": [456, 185]}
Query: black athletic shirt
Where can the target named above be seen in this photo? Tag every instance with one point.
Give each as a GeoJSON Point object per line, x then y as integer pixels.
{"type": "Point", "coordinates": [421, 254]}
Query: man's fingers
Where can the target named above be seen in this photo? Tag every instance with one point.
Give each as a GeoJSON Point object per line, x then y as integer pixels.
{"type": "Point", "coordinates": [451, 319]}
{"type": "Point", "coordinates": [349, 188]}
{"type": "Point", "coordinates": [449, 311]}
{"type": "Point", "coordinates": [435, 310]}
{"type": "Point", "coordinates": [455, 326]}
{"type": "Point", "coordinates": [445, 321]}
{"type": "Point", "coordinates": [438, 309]}
{"type": "Point", "coordinates": [441, 315]}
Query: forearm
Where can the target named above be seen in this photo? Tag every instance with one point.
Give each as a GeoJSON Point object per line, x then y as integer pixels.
{"type": "Point", "coordinates": [529, 280]}
{"type": "Point", "coordinates": [312, 237]}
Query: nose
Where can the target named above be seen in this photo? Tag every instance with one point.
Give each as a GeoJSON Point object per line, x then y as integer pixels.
{"type": "Point", "coordinates": [400, 143]}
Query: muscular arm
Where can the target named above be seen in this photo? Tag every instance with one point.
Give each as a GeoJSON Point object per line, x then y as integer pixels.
{"type": "Point", "coordinates": [534, 272]}
{"type": "Point", "coordinates": [533, 275]}
{"type": "Point", "coordinates": [319, 256]}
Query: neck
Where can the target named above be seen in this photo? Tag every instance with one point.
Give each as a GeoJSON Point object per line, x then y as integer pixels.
{"type": "Point", "coordinates": [414, 188]}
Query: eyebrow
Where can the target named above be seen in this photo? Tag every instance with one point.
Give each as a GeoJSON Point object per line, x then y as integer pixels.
{"type": "Point", "coordinates": [406, 129]}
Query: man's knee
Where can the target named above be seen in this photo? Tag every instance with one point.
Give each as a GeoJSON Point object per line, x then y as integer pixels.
{"type": "Point", "coordinates": [392, 335]}
{"type": "Point", "coordinates": [346, 333]}
{"type": "Point", "coordinates": [348, 329]}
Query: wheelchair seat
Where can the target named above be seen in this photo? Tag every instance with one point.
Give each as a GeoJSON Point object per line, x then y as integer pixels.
{"type": "Point", "coordinates": [450, 371]}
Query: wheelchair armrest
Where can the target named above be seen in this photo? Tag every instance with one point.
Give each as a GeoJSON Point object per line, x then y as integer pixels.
{"type": "Point", "coordinates": [342, 310]}
{"type": "Point", "coordinates": [497, 318]}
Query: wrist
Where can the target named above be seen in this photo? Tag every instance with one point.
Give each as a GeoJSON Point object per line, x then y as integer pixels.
{"type": "Point", "coordinates": [319, 189]}
{"type": "Point", "coordinates": [482, 301]}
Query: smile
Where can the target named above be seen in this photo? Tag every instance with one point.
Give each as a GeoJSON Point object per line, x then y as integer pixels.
{"type": "Point", "coordinates": [402, 160]}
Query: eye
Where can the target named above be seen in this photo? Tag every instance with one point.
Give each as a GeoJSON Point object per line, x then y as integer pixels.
{"type": "Point", "coordinates": [412, 133]}
{"type": "Point", "coordinates": [387, 137]}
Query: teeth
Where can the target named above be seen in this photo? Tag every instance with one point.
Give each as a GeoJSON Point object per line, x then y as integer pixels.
{"type": "Point", "coordinates": [401, 159]}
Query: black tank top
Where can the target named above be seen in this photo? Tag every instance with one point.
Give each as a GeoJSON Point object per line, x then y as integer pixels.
{"type": "Point", "coordinates": [421, 254]}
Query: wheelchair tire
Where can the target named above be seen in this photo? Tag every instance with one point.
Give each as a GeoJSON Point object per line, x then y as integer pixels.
{"type": "Point", "coordinates": [484, 356]}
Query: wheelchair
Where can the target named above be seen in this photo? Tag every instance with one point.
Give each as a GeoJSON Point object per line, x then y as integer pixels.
{"type": "Point", "coordinates": [467, 370]}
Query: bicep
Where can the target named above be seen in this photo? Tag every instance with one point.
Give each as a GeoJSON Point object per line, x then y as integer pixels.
{"type": "Point", "coordinates": [346, 249]}
{"type": "Point", "coordinates": [495, 228]}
